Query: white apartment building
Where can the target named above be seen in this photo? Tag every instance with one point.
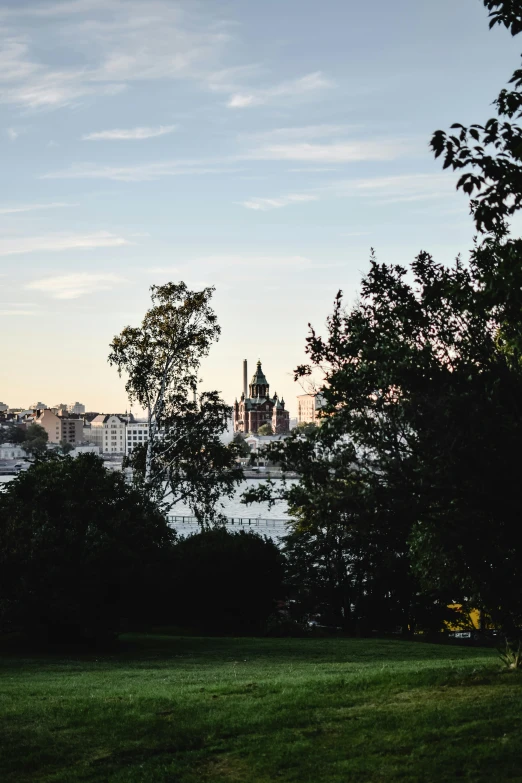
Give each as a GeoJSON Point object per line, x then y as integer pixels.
{"type": "Point", "coordinates": [107, 431]}
{"type": "Point", "coordinates": [137, 434]}
{"type": "Point", "coordinates": [76, 407]}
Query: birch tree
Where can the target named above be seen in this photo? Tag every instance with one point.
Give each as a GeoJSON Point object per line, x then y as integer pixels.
{"type": "Point", "coordinates": [184, 459]}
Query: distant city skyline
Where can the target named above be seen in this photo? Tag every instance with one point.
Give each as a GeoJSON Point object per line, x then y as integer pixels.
{"type": "Point", "coordinates": [263, 148]}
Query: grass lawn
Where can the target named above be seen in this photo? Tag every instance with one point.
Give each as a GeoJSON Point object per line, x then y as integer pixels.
{"type": "Point", "coordinates": [193, 710]}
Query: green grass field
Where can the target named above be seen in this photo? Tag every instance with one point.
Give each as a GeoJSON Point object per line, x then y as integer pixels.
{"type": "Point", "coordinates": [195, 710]}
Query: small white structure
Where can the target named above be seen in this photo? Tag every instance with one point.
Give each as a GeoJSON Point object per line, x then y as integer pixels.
{"type": "Point", "coordinates": [12, 451]}
{"type": "Point", "coordinates": [258, 443]}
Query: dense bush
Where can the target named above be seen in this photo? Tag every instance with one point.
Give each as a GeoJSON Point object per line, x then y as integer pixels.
{"type": "Point", "coordinates": [80, 551]}
{"type": "Point", "coordinates": [227, 582]}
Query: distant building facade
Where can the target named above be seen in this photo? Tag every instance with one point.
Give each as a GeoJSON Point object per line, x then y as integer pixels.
{"type": "Point", "coordinates": [76, 407]}
{"type": "Point", "coordinates": [11, 451]}
{"type": "Point", "coordinates": [308, 407]}
{"type": "Point", "coordinates": [137, 435]}
{"type": "Point", "coordinates": [259, 408]}
{"type": "Point", "coordinates": [108, 432]}
{"type": "Point", "coordinates": [59, 429]}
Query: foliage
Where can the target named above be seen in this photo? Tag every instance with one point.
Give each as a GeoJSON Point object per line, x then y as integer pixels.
{"type": "Point", "coordinates": [185, 459]}
{"type": "Point", "coordinates": [239, 445]}
{"type": "Point", "coordinates": [66, 447]}
{"type": "Point", "coordinates": [12, 433]}
{"type": "Point", "coordinates": [229, 581]}
{"type": "Point", "coordinates": [79, 549]}
{"type": "Point", "coordinates": [506, 12]}
{"type": "Point", "coordinates": [511, 655]}
{"type": "Point", "coordinates": [36, 439]}
{"type": "Point", "coordinates": [265, 429]}
{"type": "Point", "coordinates": [423, 379]}
{"type": "Point", "coordinates": [166, 708]}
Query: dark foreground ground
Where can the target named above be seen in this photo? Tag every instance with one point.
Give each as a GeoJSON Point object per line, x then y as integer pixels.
{"type": "Point", "coordinates": [192, 710]}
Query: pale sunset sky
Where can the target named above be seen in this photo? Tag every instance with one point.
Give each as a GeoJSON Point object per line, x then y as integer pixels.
{"type": "Point", "coordinates": [259, 146]}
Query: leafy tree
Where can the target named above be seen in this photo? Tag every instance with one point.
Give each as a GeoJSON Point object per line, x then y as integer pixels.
{"type": "Point", "coordinates": [423, 379]}
{"type": "Point", "coordinates": [11, 433]}
{"type": "Point", "coordinates": [265, 429]}
{"type": "Point", "coordinates": [35, 441]}
{"type": "Point", "coordinates": [184, 459]}
{"type": "Point", "coordinates": [239, 445]}
{"type": "Point", "coordinates": [229, 581]}
{"type": "Point", "coordinates": [66, 447]}
{"type": "Point", "coordinates": [79, 550]}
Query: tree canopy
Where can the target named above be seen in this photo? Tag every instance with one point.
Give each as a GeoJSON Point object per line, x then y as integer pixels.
{"type": "Point", "coordinates": [417, 455]}
{"type": "Point", "coordinates": [184, 459]}
{"type": "Point", "coordinates": [79, 550]}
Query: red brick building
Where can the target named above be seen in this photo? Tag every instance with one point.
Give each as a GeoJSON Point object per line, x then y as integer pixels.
{"type": "Point", "coordinates": [259, 408]}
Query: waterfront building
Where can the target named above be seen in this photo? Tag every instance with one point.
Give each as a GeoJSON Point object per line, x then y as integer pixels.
{"type": "Point", "coordinates": [256, 407]}
{"type": "Point", "coordinates": [137, 434]}
{"type": "Point", "coordinates": [108, 432]}
{"type": "Point", "coordinates": [308, 407]}
{"type": "Point", "coordinates": [59, 429]}
{"type": "Point", "coordinates": [11, 451]}
{"type": "Point", "coordinates": [257, 443]}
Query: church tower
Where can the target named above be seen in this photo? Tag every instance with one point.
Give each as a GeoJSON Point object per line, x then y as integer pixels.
{"type": "Point", "coordinates": [259, 408]}
{"type": "Point", "coordinates": [259, 387]}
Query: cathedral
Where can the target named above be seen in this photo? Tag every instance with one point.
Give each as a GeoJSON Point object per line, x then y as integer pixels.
{"type": "Point", "coordinates": [257, 407]}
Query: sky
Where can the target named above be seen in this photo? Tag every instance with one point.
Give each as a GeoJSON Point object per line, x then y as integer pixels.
{"type": "Point", "coordinates": [259, 147]}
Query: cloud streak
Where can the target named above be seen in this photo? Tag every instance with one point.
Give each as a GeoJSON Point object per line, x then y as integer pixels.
{"type": "Point", "coordinates": [144, 172]}
{"type": "Point", "coordinates": [312, 82]}
{"type": "Point", "coordinates": [396, 189]}
{"type": "Point", "coordinates": [130, 134]}
{"type": "Point", "coordinates": [341, 152]}
{"type": "Point", "coordinates": [32, 207]}
{"type": "Point", "coordinates": [266, 204]}
{"type": "Point", "coordinates": [174, 43]}
{"type": "Point", "coordinates": [75, 285]}
{"type": "Point", "coordinates": [59, 242]}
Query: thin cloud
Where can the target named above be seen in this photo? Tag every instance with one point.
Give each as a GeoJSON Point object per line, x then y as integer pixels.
{"type": "Point", "coordinates": [57, 242]}
{"type": "Point", "coordinates": [75, 285]}
{"type": "Point", "coordinates": [342, 152]}
{"type": "Point", "coordinates": [31, 207]}
{"type": "Point", "coordinates": [172, 45]}
{"type": "Point", "coordinates": [301, 133]}
{"type": "Point", "coordinates": [228, 260]}
{"type": "Point", "coordinates": [266, 204]}
{"type": "Point", "coordinates": [13, 133]}
{"type": "Point", "coordinates": [131, 134]}
{"type": "Point", "coordinates": [312, 82]}
{"type": "Point", "coordinates": [144, 172]}
{"type": "Point", "coordinates": [397, 189]}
